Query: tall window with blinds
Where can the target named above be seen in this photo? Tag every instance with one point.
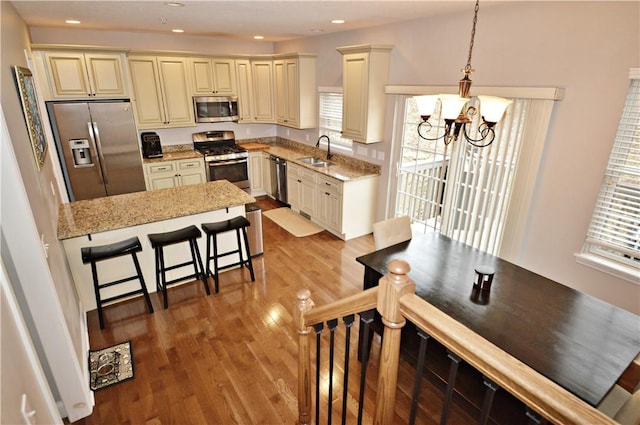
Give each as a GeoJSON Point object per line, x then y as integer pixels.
{"type": "Point", "coordinates": [460, 190]}
{"type": "Point", "coordinates": [614, 232]}
{"type": "Point", "coordinates": [330, 119]}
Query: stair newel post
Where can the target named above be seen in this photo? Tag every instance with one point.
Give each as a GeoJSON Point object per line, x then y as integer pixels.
{"type": "Point", "coordinates": [303, 305]}
{"type": "Point", "coordinates": [392, 287]}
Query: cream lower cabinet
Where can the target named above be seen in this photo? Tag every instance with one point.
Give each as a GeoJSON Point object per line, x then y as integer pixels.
{"type": "Point", "coordinates": [345, 208]}
{"type": "Point", "coordinates": [256, 173]}
{"type": "Point", "coordinates": [329, 203]}
{"type": "Point", "coordinates": [301, 189]}
{"type": "Point", "coordinates": [266, 173]}
{"type": "Point", "coordinates": [181, 172]}
{"type": "Point", "coordinates": [161, 92]}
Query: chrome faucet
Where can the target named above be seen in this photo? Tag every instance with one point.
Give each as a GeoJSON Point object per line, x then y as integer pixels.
{"type": "Point", "coordinates": [328, 145]}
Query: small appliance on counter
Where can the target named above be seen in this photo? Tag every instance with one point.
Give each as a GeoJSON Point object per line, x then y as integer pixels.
{"type": "Point", "coordinates": [151, 147]}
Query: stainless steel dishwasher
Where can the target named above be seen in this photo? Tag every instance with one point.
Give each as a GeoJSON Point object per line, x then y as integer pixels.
{"type": "Point", "coordinates": [278, 178]}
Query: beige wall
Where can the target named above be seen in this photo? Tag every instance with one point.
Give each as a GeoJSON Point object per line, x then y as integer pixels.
{"type": "Point", "coordinates": [41, 193]}
{"type": "Point", "coordinates": [585, 47]}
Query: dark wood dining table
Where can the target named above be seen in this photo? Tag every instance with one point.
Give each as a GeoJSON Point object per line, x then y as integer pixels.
{"type": "Point", "coordinates": [580, 342]}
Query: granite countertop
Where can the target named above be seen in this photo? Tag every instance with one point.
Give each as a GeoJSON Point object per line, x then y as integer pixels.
{"type": "Point", "coordinates": [342, 168]}
{"type": "Point", "coordinates": [116, 212]}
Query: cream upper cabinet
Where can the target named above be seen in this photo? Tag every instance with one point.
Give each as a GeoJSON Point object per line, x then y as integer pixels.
{"type": "Point", "coordinates": [214, 76]}
{"type": "Point", "coordinates": [255, 91]}
{"type": "Point", "coordinates": [296, 90]}
{"type": "Point", "coordinates": [161, 93]}
{"type": "Point", "coordinates": [365, 71]}
{"type": "Point", "coordinates": [263, 96]}
{"type": "Point", "coordinates": [245, 91]}
{"type": "Point", "coordinates": [79, 75]}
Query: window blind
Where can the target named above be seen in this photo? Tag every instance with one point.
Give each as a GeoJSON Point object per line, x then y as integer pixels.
{"type": "Point", "coordinates": [330, 119]}
{"type": "Point", "coordinates": [460, 190]}
{"type": "Point", "coordinates": [614, 231]}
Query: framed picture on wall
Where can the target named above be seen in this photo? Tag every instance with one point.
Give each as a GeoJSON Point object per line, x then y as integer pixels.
{"type": "Point", "coordinates": [27, 90]}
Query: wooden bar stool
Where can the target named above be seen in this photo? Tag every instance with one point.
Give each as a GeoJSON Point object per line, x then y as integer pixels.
{"type": "Point", "coordinates": [213, 230]}
{"type": "Point", "coordinates": [160, 240]}
{"type": "Point", "coordinates": [94, 254]}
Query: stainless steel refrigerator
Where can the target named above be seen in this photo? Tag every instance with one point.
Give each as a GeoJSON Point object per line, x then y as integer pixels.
{"type": "Point", "coordinates": [97, 144]}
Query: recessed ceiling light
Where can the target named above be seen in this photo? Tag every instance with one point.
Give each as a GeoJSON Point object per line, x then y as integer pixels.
{"type": "Point", "coordinates": [316, 30]}
{"type": "Point", "coordinates": [177, 30]}
{"type": "Point", "coordinates": [72, 21]}
{"type": "Point", "coordinates": [337, 21]}
{"type": "Point", "coordinates": [173, 4]}
{"type": "Point", "coordinates": [259, 37]}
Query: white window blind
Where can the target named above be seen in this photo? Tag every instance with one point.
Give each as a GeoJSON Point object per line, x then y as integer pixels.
{"type": "Point", "coordinates": [614, 232]}
{"type": "Point", "coordinates": [330, 119]}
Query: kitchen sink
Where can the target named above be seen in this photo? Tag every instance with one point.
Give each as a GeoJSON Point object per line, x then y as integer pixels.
{"type": "Point", "coordinates": [316, 162]}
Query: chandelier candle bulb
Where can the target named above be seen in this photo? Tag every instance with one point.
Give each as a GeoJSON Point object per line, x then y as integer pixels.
{"type": "Point", "coordinates": [493, 108]}
{"type": "Point", "coordinates": [452, 105]}
{"type": "Point", "coordinates": [426, 105]}
{"type": "Point", "coordinates": [455, 117]}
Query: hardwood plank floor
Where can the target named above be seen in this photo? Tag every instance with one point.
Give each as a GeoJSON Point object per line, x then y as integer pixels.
{"type": "Point", "coordinates": [231, 357]}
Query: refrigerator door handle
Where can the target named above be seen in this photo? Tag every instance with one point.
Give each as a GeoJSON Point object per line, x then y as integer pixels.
{"type": "Point", "coordinates": [95, 138]}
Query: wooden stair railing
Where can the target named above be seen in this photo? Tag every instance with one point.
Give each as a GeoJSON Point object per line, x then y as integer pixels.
{"type": "Point", "coordinates": [395, 300]}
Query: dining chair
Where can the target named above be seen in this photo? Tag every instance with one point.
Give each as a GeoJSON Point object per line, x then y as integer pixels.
{"type": "Point", "coordinates": [391, 231]}
{"type": "Point", "coordinates": [622, 406]}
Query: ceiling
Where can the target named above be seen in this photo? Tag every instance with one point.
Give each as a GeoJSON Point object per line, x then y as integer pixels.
{"type": "Point", "coordinates": [275, 20]}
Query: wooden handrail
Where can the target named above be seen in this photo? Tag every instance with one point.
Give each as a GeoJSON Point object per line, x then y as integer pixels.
{"type": "Point", "coordinates": [396, 301]}
{"type": "Point", "coordinates": [365, 300]}
{"type": "Point", "coordinates": [545, 397]}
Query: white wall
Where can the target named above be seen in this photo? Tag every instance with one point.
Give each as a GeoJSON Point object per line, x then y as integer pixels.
{"type": "Point", "coordinates": [583, 46]}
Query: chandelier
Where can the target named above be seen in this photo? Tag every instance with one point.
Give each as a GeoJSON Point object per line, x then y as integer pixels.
{"type": "Point", "coordinates": [456, 118]}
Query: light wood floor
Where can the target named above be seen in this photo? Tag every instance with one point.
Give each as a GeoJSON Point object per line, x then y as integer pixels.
{"type": "Point", "coordinates": [231, 357]}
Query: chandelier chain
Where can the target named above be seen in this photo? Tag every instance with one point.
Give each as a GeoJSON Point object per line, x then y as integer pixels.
{"type": "Point", "coordinates": [473, 34]}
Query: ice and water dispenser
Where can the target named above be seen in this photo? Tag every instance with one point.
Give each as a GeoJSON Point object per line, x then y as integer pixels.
{"type": "Point", "coordinates": [81, 152]}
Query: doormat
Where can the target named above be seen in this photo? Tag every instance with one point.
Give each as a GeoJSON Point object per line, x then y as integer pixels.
{"type": "Point", "coordinates": [111, 365]}
{"type": "Point", "coordinates": [292, 222]}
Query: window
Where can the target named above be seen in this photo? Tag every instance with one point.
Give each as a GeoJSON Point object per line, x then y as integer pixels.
{"type": "Point", "coordinates": [613, 239]}
{"type": "Point", "coordinates": [460, 190]}
{"type": "Point", "coordinates": [481, 197]}
{"type": "Point", "coordinates": [330, 122]}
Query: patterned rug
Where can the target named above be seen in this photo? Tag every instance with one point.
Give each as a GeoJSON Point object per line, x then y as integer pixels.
{"type": "Point", "coordinates": [111, 365]}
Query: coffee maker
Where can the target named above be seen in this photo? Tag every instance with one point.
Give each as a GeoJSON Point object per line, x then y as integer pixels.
{"type": "Point", "coordinates": [151, 147]}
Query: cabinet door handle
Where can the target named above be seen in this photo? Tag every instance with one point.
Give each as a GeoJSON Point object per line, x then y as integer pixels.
{"type": "Point", "coordinates": [189, 165]}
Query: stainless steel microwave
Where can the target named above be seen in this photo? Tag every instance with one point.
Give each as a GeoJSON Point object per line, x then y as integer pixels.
{"type": "Point", "coordinates": [215, 108]}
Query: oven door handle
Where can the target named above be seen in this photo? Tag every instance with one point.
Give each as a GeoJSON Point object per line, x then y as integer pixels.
{"type": "Point", "coordinates": [232, 162]}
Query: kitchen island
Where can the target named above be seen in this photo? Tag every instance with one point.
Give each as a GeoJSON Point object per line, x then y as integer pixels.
{"type": "Point", "coordinates": [110, 219]}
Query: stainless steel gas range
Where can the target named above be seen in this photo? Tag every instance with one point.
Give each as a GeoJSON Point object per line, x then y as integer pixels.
{"type": "Point", "coordinates": [225, 159]}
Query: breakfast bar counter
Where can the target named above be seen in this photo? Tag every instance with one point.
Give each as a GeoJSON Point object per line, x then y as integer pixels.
{"type": "Point", "coordinates": [115, 212]}
{"type": "Point", "coordinates": [111, 219]}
